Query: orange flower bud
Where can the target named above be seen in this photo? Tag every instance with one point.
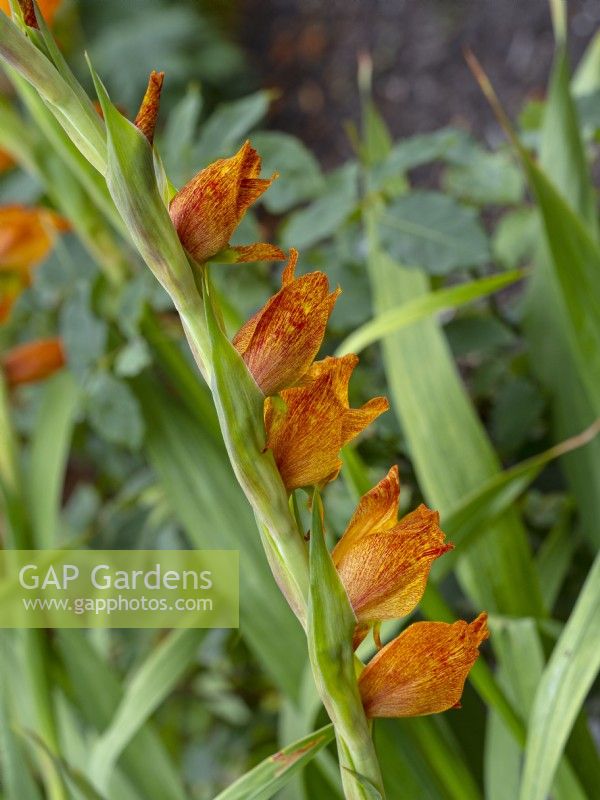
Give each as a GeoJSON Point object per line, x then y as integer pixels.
{"type": "Point", "coordinates": [47, 7]}
{"type": "Point", "coordinates": [209, 208]}
{"type": "Point", "coordinates": [6, 161]}
{"type": "Point", "coordinates": [148, 113]}
{"type": "Point", "coordinates": [384, 563]}
{"type": "Point", "coordinates": [33, 361]}
{"type": "Point", "coordinates": [26, 236]}
{"type": "Point", "coordinates": [280, 342]}
{"type": "Point", "coordinates": [307, 434]}
{"type": "Point", "coordinates": [423, 670]}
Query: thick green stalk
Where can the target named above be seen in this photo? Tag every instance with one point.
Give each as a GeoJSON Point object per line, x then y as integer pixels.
{"type": "Point", "coordinates": [239, 403]}
{"type": "Point", "coordinates": [330, 628]}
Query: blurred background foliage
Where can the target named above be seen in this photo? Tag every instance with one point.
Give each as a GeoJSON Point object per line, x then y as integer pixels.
{"type": "Point", "coordinates": [479, 390]}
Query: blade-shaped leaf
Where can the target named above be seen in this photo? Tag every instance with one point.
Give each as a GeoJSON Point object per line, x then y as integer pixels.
{"type": "Point", "coordinates": [48, 458]}
{"type": "Point", "coordinates": [275, 771]}
{"type": "Point", "coordinates": [152, 682]}
{"type": "Point", "coordinates": [450, 451]}
{"type": "Point", "coordinates": [97, 690]}
{"type": "Point", "coordinates": [570, 672]}
{"type": "Point", "coordinates": [465, 523]}
{"type": "Point", "coordinates": [422, 307]}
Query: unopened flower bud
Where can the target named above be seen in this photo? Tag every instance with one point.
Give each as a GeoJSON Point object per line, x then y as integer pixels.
{"type": "Point", "coordinates": [33, 361]}
{"type": "Point", "coordinates": [146, 117]}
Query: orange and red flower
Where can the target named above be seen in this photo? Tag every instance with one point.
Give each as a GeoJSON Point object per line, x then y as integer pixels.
{"type": "Point", "coordinates": [32, 361]}
{"type": "Point", "coordinates": [210, 207]}
{"type": "Point", "coordinates": [309, 428]}
{"type": "Point", "coordinates": [423, 670]}
{"type": "Point", "coordinates": [280, 342]}
{"type": "Point", "coordinates": [384, 562]}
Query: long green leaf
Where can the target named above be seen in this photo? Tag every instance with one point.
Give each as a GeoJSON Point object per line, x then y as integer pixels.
{"type": "Point", "coordinates": [48, 458]}
{"type": "Point", "coordinates": [468, 521]}
{"type": "Point", "coordinates": [562, 689]}
{"type": "Point", "coordinates": [275, 771]}
{"type": "Point", "coordinates": [422, 307]}
{"type": "Point", "coordinates": [97, 691]}
{"type": "Point", "coordinates": [562, 152]}
{"type": "Point", "coordinates": [151, 683]}
{"type": "Point", "coordinates": [17, 777]}
{"type": "Point", "coordinates": [450, 450]}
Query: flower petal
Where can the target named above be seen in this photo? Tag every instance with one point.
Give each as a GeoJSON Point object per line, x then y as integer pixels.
{"type": "Point", "coordinates": [208, 209]}
{"type": "Point", "coordinates": [376, 511]}
{"type": "Point", "coordinates": [261, 251]}
{"type": "Point", "coordinates": [307, 436]}
{"type": "Point", "coordinates": [32, 361]}
{"type": "Point", "coordinates": [385, 572]}
{"type": "Point", "coordinates": [423, 670]}
{"type": "Point", "coordinates": [280, 342]}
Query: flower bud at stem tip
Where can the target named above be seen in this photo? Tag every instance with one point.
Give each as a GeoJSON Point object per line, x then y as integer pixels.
{"type": "Point", "coordinates": [146, 117]}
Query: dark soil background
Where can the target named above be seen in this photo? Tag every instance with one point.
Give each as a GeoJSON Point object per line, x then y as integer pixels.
{"type": "Point", "coordinates": [308, 50]}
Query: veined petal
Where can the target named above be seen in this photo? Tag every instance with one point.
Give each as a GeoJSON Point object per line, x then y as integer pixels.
{"type": "Point", "coordinates": [357, 419]}
{"type": "Point", "coordinates": [307, 435]}
{"type": "Point", "coordinates": [376, 511]}
{"type": "Point", "coordinates": [208, 209]}
{"type": "Point", "coordinates": [385, 572]}
{"type": "Point", "coordinates": [261, 251]}
{"type": "Point", "coordinates": [33, 361]}
{"type": "Point", "coordinates": [423, 670]}
{"type": "Point", "coordinates": [280, 342]}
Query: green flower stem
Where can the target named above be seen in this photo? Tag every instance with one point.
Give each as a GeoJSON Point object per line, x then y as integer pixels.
{"type": "Point", "coordinates": [239, 403]}
{"type": "Point", "coordinates": [330, 627]}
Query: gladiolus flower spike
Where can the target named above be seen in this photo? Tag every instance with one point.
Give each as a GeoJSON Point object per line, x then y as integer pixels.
{"type": "Point", "coordinates": [208, 209]}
